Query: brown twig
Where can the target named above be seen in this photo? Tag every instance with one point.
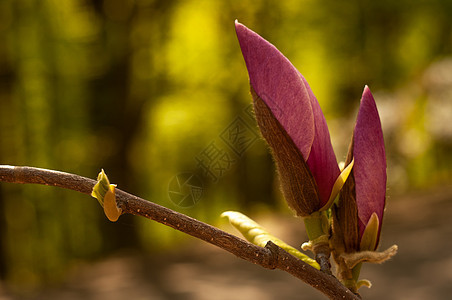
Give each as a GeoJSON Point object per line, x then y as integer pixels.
{"type": "Point", "coordinates": [270, 257]}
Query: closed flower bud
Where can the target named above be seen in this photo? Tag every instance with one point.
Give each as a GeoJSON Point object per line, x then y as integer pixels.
{"type": "Point", "coordinates": [362, 199]}
{"type": "Point", "coordinates": [292, 123]}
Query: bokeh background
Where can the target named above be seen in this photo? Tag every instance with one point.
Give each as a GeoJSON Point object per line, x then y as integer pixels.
{"type": "Point", "coordinates": [156, 93]}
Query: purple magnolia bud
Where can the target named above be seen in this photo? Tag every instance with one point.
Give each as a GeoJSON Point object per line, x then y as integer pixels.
{"type": "Point", "coordinates": [359, 214]}
{"type": "Point", "coordinates": [370, 163]}
{"type": "Point", "coordinates": [292, 123]}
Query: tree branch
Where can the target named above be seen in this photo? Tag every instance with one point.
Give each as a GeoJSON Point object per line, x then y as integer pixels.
{"type": "Point", "coordinates": [270, 257]}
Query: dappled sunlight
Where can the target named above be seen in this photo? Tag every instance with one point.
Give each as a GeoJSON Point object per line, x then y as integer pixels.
{"type": "Point", "coordinates": [194, 44]}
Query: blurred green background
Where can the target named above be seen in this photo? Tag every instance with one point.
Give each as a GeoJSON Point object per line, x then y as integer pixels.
{"type": "Point", "coordinates": [151, 90]}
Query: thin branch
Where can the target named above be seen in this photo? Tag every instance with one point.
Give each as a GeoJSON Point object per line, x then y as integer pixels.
{"type": "Point", "coordinates": [270, 257]}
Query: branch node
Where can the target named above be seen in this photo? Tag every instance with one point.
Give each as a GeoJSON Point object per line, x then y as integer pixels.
{"type": "Point", "coordinates": [274, 254]}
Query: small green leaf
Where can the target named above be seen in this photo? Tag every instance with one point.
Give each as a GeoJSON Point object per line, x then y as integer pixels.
{"type": "Point", "coordinates": [105, 193]}
{"type": "Point", "coordinates": [111, 210]}
{"type": "Point", "coordinates": [363, 282]}
{"type": "Point", "coordinates": [257, 235]}
{"type": "Point", "coordinates": [101, 187]}
{"type": "Point", "coordinates": [370, 234]}
{"type": "Point", "coordinates": [340, 181]}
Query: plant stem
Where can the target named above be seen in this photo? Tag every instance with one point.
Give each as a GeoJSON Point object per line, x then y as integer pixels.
{"type": "Point", "coordinates": [317, 226]}
{"type": "Point", "coordinates": [270, 257]}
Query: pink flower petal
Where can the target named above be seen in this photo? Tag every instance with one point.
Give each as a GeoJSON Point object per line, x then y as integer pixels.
{"type": "Point", "coordinates": [370, 162]}
{"type": "Point", "coordinates": [322, 161]}
{"type": "Point", "coordinates": [285, 91]}
{"type": "Point", "coordinates": [276, 81]}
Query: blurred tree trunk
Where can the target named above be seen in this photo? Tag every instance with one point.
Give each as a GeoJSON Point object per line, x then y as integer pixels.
{"type": "Point", "coordinates": [131, 38]}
